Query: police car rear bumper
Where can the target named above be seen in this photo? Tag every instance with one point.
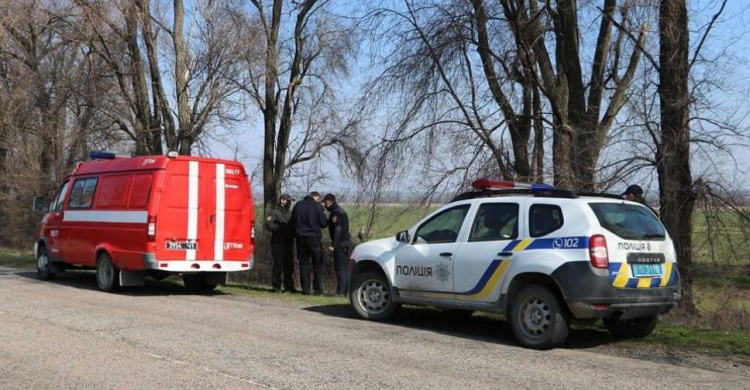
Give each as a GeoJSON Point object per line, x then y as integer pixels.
{"type": "Point", "coordinates": [592, 296]}
{"type": "Point", "coordinates": [150, 262]}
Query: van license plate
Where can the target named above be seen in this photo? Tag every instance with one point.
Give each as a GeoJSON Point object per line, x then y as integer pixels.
{"type": "Point", "coordinates": [181, 246]}
{"type": "Point", "coordinates": [646, 270]}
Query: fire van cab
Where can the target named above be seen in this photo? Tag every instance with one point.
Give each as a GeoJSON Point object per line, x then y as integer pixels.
{"type": "Point", "coordinates": [132, 217]}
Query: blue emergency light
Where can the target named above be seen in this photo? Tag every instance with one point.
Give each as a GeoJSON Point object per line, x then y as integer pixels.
{"type": "Point", "coordinates": [97, 155]}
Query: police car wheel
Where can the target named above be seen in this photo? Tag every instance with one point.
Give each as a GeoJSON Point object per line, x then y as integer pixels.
{"type": "Point", "coordinates": [43, 266]}
{"type": "Point", "coordinates": [637, 328]}
{"type": "Point", "coordinates": [107, 275]}
{"type": "Point", "coordinates": [371, 297]}
{"type": "Point", "coordinates": [536, 318]}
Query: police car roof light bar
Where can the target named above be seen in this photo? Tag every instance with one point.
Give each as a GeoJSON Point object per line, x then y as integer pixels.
{"type": "Point", "coordinates": [487, 184]}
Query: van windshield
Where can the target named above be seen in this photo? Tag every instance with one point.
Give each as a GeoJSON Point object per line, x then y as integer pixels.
{"type": "Point", "coordinates": [629, 221]}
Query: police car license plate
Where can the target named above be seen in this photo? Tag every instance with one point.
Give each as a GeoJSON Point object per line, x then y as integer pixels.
{"type": "Point", "coordinates": [646, 270]}
{"type": "Point", "coordinates": [182, 245]}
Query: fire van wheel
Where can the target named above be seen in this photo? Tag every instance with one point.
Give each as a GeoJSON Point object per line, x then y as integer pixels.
{"type": "Point", "coordinates": [43, 266]}
{"type": "Point", "coordinates": [107, 275]}
{"type": "Point", "coordinates": [634, 328]}
{"type": "Point", "coordinates": [196, 283]}
{"type": "Point", "coordinates": [371, 297]}
{"type": "Point", "coordinates": [536, 318]}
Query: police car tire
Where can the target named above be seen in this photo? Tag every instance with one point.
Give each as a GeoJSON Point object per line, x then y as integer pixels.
{"type": "Point", "coordinates": [107, 274]}
{"type": "Point", "coordinates": [375, 283]}
{"type": "Point", "coordinates": [634, 328]}
{"type": "Point", "coordinates": [196, 283]}
{"type": "Point", "coordinates": [536, 318]}
{"type": "Point", "coordinates": [43, 265]}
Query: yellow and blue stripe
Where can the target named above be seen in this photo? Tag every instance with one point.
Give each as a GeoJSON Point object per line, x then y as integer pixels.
{"type": "Point", "coordinates": [580, 242]}
{"type": "Point", "coordinates": [481, 290]}
{"type": "Point", "coordinates": [618, 275]}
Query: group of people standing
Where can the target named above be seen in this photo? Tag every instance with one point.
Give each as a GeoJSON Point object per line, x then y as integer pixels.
{"type": "Point", "coordinates": [303, 225]}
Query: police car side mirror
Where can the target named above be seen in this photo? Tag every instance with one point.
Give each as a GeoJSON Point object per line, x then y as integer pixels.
{"type": "Point", "coordinates": [402, 236]}
{"type": "Point", "coordinates": [40, 205]}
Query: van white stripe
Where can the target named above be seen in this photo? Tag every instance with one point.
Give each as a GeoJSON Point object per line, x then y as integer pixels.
{"type": "Point", "coordinates": [219, 227]}
{"type": "Point", "coordinates": [105, 216]}
{"type": "Point", "coordinates": [192, 225]}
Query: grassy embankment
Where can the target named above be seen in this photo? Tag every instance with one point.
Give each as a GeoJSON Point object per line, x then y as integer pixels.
{"type": "Point", "coordinates": [721, 290]}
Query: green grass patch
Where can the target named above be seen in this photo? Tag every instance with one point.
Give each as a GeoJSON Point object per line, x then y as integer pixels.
{"type": "Point", "coordinates": [17, 259]}
{"type": "Point", "coordinates": [695, 338]}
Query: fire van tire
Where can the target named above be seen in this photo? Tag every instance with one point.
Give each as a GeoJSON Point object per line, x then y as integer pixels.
{"type": "Point", "coordinates": [107, 274]}
{"type": "Point", "coordinates": [536, 318]}
{"type": "Point", "coordinates": [196, 283]}
{"type": "Point", "coordinates": [371, 297]}
{"type": "Point", "coordinates": [634, 328]}
{"type": "Point", "coordinates": [43, 266]}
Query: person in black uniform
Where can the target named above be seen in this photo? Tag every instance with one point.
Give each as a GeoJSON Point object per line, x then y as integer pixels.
{"type": "Point", "coordinates": [282, 245]}
{"type": "Point", "coordinates": [308, 218]}
{"type": "Point", "coordinates": [341, 241]}
{"type": "Point", "coordinates": [634, 193]}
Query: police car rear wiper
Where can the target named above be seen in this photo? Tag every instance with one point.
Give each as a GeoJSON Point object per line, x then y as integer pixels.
{"type": "Point", "coordinates": [652, 235]}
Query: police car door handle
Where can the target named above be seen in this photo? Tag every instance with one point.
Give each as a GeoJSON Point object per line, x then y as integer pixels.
{"type": "Point", "coordinates": [446, 254]}
{"type": "Point", "coordinates": [505, 254]}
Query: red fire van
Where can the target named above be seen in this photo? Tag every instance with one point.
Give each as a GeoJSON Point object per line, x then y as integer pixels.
{"type": "Point", "coordinates": [132, 217]}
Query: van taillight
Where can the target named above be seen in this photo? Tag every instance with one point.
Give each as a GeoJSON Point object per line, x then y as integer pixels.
{"type": "Point", "coordinates": [151, 227]}
{"type": "Point", "coordinates": [598, 251]}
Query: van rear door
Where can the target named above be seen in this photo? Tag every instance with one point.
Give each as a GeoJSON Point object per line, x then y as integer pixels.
{"type": "Point", "coordinates": [231, 220]}
{"type": "Point", "coordinates": [202, 210]}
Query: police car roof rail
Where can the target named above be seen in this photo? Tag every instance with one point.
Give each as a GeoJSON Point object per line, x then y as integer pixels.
{"type": "Point", "coordinates": [600, 195]}
{"type": "Point", "coordinates": [543, 193]}
{"type": "Point", "coordinates": [539, 193]}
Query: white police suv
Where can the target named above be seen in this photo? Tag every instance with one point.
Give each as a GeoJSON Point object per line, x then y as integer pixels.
{"type": "Point", "coordinates": [541, 256]}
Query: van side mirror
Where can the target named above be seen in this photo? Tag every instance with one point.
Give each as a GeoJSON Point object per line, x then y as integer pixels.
{"type": "Point", "coordinates": [403, 236]}
{"type": "Point", "coordinates": [40, 205]}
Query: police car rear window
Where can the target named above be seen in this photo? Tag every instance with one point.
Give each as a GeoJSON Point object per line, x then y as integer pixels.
{"type": "Point", "coordinates": [628, 221]}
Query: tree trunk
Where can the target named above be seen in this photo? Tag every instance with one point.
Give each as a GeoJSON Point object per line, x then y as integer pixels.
{"type": "Point", "coordinates": [181, 74]}
{"type": "Point", "coordinates": [270, 112]}
{"type": "Point", "coordinates": [140, 93]}
{"type": "Point", "coordinates": [673, 165]}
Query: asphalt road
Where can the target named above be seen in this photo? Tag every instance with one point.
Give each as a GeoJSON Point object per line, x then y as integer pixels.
{"type": "Point", "coordinates": [67, 335]}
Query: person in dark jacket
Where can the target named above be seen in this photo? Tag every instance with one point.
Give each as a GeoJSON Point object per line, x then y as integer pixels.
{"type": "Point", "coordinates": [634, 193]}
{"type": "Point", "coordinates": [308, 218]}
{"type": "Point", "coordinates": [282, 245]}
{"type": "Point", "coordinates": [341, 241]}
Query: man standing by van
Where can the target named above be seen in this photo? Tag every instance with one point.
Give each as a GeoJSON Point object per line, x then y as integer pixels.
{"type": "Point", "coordinates": [308, 218]}
{"type": "Point", "coordinates": [341, 241]}
{"type": "Point", "coordinates": [282, 244]}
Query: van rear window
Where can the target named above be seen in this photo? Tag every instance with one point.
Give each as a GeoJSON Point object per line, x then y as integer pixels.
{"type": "Point", "coordinates": [629, 221]}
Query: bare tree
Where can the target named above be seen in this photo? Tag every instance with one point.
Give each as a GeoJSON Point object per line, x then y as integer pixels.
{"type": "Point", "coordinates": [126, 35]}
{"type": "Point", "coordinates": [292, 85]}
{"type": "Point", "coordinates": [501, 71]}
{"type": "Point", "coordinates": [581, 116]}
{"type": "Point", "coordinates": [673, 162]}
